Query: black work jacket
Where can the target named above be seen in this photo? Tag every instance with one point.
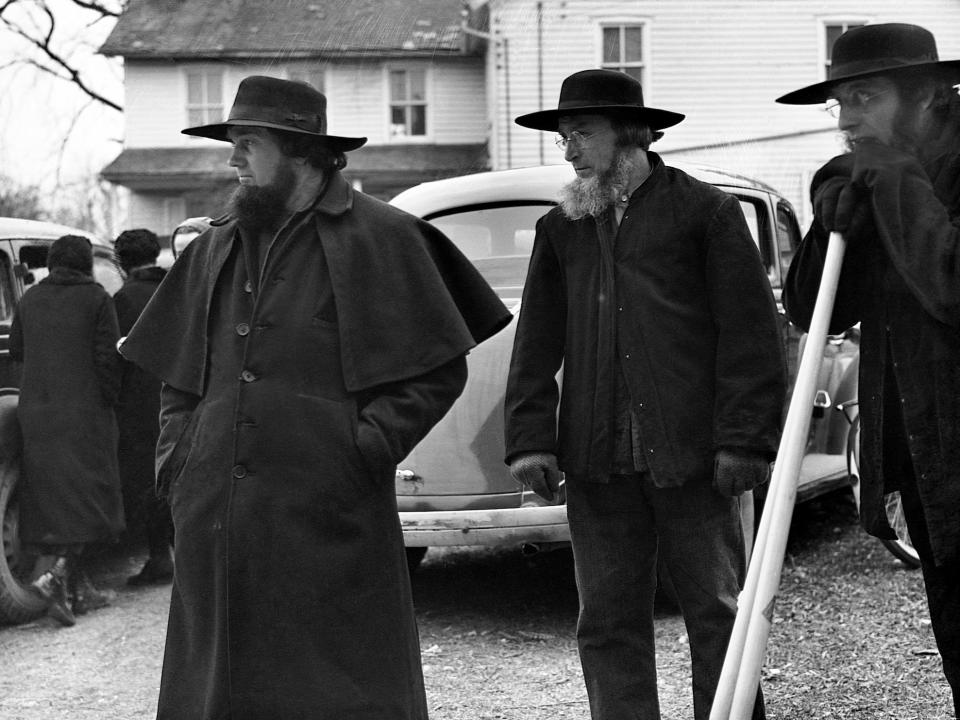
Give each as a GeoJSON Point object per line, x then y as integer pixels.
{"type": "Point", "coordinates": [680, 298]}
{"type": "Point", "coordinates": [901, 281]}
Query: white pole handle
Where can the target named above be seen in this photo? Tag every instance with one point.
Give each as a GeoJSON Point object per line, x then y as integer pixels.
{"type": "Point", "coordinates": [740, 675]}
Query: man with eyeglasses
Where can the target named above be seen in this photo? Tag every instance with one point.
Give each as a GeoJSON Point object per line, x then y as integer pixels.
{"type": "Point", "coordinates": [895, 197]}
{"type": "Point", "coordinates": [646, 286]}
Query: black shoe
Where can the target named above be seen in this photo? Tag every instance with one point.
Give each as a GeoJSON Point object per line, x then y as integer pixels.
{"type": "Point", "coordinates": [86, 597]}
{"type": "Point", "coordinates": [51, 586]}
{"type": "Point", "coordinates": [156, 571]}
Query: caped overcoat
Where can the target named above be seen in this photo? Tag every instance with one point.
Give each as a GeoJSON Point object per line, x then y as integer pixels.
{"type": "Point", "coordinates": [65, 333]}
{"type": "Point", "coordinates": [288, 400]}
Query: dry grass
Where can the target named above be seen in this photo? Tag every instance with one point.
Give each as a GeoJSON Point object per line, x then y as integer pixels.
{"type": "Point", "coordinates": [851, 637]}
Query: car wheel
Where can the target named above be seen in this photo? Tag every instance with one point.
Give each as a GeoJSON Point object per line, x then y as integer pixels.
{"type": "Point", "coordinates": [415, 557]}
{"type": "Point", "coordinates": [901, 548]}
{"type": "Point", "coordinates": [17, 603]}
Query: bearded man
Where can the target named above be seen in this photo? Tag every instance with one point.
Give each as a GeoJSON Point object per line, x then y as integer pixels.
{"type": "Point", "coordinates": [646, 286]}
{"type": "Point", "coordinates": [895, 197]}
{"type": "Point", "coordinates": [306, 343]}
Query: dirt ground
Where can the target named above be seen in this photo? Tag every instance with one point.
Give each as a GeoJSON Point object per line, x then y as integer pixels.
{"type": "Point", "coordinates": [851, 639]}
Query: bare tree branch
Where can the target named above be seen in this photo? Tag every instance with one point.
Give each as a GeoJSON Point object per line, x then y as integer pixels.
{"type": "Point", "coordinates": [35, 22]}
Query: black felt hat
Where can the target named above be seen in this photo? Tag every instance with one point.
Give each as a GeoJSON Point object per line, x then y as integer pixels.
{"type": "Point", "coordinates": [599, 91]}
{"type": "Point", "coordinates": [288, 105]}
{"type": "Point", "coordinates": [874, 50]}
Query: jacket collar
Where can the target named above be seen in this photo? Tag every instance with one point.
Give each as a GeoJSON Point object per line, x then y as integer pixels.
{"type": "Point", "coordinates": [337, 197]}
{"type": "Point", "coordinates": [67, 276]}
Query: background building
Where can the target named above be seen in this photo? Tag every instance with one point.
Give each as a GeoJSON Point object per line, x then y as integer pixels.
{"type": "Point", "coordinates": [435, 84]}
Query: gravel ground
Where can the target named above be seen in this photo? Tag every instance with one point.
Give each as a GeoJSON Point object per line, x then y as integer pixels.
{"type": "Point", "coordinates": [851, 639]}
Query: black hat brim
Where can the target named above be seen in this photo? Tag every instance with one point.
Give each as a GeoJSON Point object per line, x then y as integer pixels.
{"type": "Point", "coordinates": [820, 92]}
{"type": "Point", "coordinates": [218, 131]}
{"type": "Point", "coordinates": [549, 120]}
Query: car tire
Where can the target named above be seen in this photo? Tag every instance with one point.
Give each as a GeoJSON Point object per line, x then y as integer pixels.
{"type": "Point", "coordinates": [17, 603]}
{"type": "Point", "coordinates": [901, 548]}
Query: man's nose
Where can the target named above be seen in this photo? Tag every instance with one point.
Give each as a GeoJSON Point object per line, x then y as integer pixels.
{"type": "Point", "coordinates": [235, 160]}
{"type": "Point", "coordinates": [571, 151]}
{"type": "Point", "coordinates": [849, 118]}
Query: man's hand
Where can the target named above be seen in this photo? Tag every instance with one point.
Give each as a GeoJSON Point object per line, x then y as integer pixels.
{"type": "Point", "coordinates": [735, 471]}
{"type": "Point", "coordinates": [840, 203]}
{"type": "Point", "coordinates": [539, 472]}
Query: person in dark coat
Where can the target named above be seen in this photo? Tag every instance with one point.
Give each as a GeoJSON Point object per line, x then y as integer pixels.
{"type": "Point", "coordinates": [65, 332]}
{"type": "Point", "coordinates": [138, 412]}
{"type": "Point", "coordinates": [306, 343]}
{"type": "Point", "coordinates": [895, 197]}
{"type": "Point", "coordinates": [646, 287]}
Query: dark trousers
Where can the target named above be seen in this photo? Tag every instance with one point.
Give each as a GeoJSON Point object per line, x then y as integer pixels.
{"type": "Point", "coordinates": [942, 584]}
{"type": "Point", "coordinates": [618, 530]}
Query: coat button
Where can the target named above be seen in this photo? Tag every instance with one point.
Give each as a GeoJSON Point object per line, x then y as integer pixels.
{"type": "Point", "coordinates": [248, 287]}
{"type": "Point", "coordinates": [247, 376]}
{"type": "Point", "coordinates": [243, 329]}
{"type": "Point", "coordinates": [239, 471]}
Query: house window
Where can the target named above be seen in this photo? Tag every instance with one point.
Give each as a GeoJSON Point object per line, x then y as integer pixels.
{"type": "Point", "coordinates": [623, 49]}
{"type": "Point", "coordinates": [833, 30]}
{"type": "Point", "coordinates": [204, 97]}
{"type": "Point", "coordinates": [408, 103]}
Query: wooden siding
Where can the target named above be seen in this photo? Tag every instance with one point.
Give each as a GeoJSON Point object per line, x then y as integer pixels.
{"type": "Point", "coordinates": [357, 93]}
{"type": "Point", "coordinates": [720, 62]}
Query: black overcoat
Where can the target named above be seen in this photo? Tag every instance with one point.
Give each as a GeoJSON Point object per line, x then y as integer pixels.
{"type": "Point", "coordinates": [680, 300]}
{"type": "Point", "coordinates": [65, 333]}
{"type": "Point", "coordinates": [138, 410]}
{"type": "Point", "coordinates": [287, 403]}
{"type": "Point", "coordinates": [901, 281]}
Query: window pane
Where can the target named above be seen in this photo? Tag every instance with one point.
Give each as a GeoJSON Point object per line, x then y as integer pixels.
{"type": "Point", "coordinates": [611, 45]}
{"type": "Point", "coordinates": [636, 73]}
{"type": "Point", "coordinates": [195, 118]}
{"type": "Point", "coordinates": [833, 32]}
{"type": "Point", "coordinates": [6, 289]}
{"type": "Point", "coordinates": [214, 88]}
{"type": "Point", "coordinates": [194, 88]}
{"type": "Point", "coordinates": [418, 85]}
{"type": "Point", "coordinates": [632, 43]}
{"type": "Point", "coordinates": [398, 85]}
{"type": "Point", "coordinates": [418, 120]}
{"type": "Point", "coordinates": [497, 240]}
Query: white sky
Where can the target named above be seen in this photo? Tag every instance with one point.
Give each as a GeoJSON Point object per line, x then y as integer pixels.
{"type": "Point", "coordinates": [51, 132]}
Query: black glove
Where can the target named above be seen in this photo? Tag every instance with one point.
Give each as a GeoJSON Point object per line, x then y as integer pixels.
{"type": "Point", "coordinates": [539, 472]}
{"type": "Point", "coordinates": [735, 471]}
{"type": "Point", "coordinates": [840, 203]}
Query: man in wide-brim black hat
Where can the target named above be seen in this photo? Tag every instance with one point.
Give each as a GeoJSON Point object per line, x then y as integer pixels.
{"type": "Point", "coordinates": [895, 197]}
{"type": "Point", "coordinates": [645, 285]}
{"type": "Point", "coordinates": [306, 343]}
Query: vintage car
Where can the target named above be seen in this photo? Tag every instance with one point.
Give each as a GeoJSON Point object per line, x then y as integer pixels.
{"type": "Point", "coordinates": [454, 488]}
{"type": "Point", "coordinates": [23, 262]}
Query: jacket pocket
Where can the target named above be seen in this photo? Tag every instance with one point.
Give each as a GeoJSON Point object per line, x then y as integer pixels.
{"type": "Point", "coordinates": [173, 449]}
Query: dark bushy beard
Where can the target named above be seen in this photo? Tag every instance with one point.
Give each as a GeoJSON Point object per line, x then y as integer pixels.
{"type": "Point", "coordinates": [260, 208]}
{"type": "Point", "coordinates": [590, 197]}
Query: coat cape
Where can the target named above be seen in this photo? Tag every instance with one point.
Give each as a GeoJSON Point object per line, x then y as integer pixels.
{"type": "Point", "coordinates": [443, 308]}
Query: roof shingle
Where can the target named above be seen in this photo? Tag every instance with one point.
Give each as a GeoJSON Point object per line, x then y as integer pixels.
{"type": "Point", "coordinates": [285, 28]}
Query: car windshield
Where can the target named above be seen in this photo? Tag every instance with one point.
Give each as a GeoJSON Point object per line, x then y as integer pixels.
{"type": "Point", "coordinates": [496, 238]}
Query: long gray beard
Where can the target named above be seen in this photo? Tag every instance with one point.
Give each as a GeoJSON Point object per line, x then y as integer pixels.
{"type": "Point", "coordinates": [590, 197]}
